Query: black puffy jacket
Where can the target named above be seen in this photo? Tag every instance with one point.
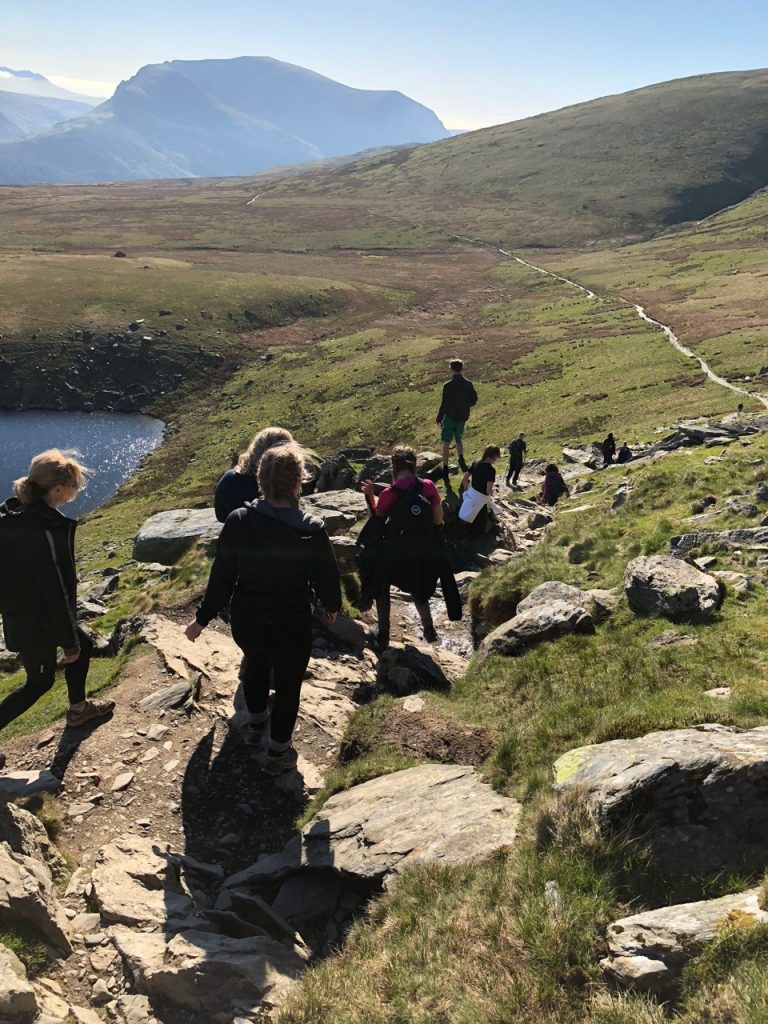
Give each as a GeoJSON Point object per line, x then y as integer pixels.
{"type": "Point", "coordinates": [38, 582]}
{"type": "Point", "coordinates": [268, 562]}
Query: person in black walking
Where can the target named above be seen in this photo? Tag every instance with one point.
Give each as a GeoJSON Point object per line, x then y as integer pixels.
{"type": "Point", "coordinates": [459, 396]}
{"type": "Point", "coordinates": [240, 484]}
{"type": "Point", "coordinates": [609, 450]}
{"type": "Point", "coordinates": [270, 558]}
{"type": "Point", "coordinates": [38, 588]}
{"type": "Point", "coordinates": [517, 450]}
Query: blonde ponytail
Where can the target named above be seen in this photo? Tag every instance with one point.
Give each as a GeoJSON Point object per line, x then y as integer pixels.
{"type": "Point", "coordinates": [47, 470]}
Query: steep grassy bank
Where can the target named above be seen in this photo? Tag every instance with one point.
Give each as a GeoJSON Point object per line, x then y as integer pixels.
{"type": "Point", "coordinates": [486, 943]}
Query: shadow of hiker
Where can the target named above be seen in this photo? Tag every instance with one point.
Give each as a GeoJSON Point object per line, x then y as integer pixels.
{"type": "Point", "coordinates": [69, 743]}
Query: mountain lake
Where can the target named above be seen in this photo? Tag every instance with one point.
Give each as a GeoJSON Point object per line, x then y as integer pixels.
{"type": "Point", "coordinates": [112, 444]}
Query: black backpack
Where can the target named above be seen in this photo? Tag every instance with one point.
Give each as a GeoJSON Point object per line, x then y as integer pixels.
{"type": "Point", "coordinates": [410, 529]}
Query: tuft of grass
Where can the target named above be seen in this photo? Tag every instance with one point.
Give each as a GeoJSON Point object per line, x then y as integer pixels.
{"type": "Point", "coordinates": [27, 946]}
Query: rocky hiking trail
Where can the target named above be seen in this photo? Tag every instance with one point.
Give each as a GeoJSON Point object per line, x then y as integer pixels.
{"type": "Point", "coordinates": [191, 897]}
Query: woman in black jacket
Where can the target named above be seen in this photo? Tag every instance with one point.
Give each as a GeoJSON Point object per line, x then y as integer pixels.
{"type": "Point", "coordinates": [38, 593]}
{"type": "Point", "coordinates": [270, 557]}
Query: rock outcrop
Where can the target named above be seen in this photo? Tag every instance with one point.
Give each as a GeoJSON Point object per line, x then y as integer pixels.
{"type": "Point", "coordinates": [166, 536]}
{"type": "Point", "coordinates": [748, 537]}
{"type": "Point", "coordinates": [664, 585]}
{"type": "Point", "coordinates": [546, 620]}
{"type": "Point", "coordinates": [17, 997]}
{"type": "Point", "coordinates": [648, 951]}
{"type": "Point", "coordinates": [407, 668]}
{"type": "Point", "coordinates": [696, 795]}
{"type": "Point", "coordinates": [340, 509]}
{"type": "Point", "coordinates": [27, 898]}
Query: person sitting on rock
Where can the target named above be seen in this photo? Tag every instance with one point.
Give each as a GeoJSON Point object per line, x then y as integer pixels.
{"type": "Point", "coordinates": [240, 484]}
{"type": "Point", "coordinates": [609, 450]}
{"type": "Point", "coordinates": [554, 486]}
{"type": "Point", "coordinates": [411, 509]}
{"type": "Point", "coordinates": [38, 588]}
{"type": "Point", "coordinates": [624, 454]}
{"type": "Point", "coordinates": [458, 398]}
{"type": "Point", "coordinates": [517, 450]}
{"type": "Point", "coordinates": [270, 558]}
{"type": "Point", "coordinates": [478, 496]}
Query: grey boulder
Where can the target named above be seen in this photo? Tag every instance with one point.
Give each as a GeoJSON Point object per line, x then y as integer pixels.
{"type": "Point", "coordinates": [545, 621]}
{"type": "Point", "coordinates": [27, 898]}
{"type": "Point", "coordinates": [747, 537]}
{"type": "Point", "coordinates": [696, 795]}
{"type": "Point", "coordinates": [668, 586]}
{"type": "Point", "coordinates": [443, 814]}
{"type": "Point", "coordinates": [203, 971]}
{"type": "Point", "coordinates": [648, 951]}
{"type": "Point", "coordinates": [166, 536]}
{"type": "Point", "coordinates": [340, 509]}
{"type": "Point", "coordinates": [407, 668]}
{"type": "Point", "coordinates": [17, 997]}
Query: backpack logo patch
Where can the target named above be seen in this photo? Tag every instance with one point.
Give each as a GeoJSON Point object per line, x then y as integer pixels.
{"type": "Point", "coordinates": [416, 510]}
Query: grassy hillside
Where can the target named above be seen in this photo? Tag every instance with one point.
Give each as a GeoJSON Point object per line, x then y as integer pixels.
{"type": "Point", "coordinates": [613, 168]}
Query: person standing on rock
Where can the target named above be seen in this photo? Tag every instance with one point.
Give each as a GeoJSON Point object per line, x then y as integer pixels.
{"type": "Point", "coordinates": [554, 486]}
{"type": "Point", "coordinates": [240, 484]}
{"type": "Point", "coordinates": [404, 519]}
{"type": "Point", "coordinates": [38, 587]}
{"type": "Point", "coordinates": [517, 450]}
{"type": "Point", "coordinates": [270, 559]}
{"type": "Point", "coordinates": [609, 450]}
{"type": "Point", "coordinates": [459, 396]}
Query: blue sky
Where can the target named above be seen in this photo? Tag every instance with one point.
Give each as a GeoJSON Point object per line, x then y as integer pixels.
{"type": "Point", "coordinates": [474, 63]}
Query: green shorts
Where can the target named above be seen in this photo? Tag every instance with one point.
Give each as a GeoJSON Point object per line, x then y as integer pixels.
{"type": "Point", "coordinates": [451, 429]}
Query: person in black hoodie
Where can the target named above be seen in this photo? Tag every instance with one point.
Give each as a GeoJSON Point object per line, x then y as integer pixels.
{"type": "Point", "coordinates": [459, 396]}
{"type": "Point", "coordinates": [38, 587]}
{"type": "Point", "coordinates": [269, 559]}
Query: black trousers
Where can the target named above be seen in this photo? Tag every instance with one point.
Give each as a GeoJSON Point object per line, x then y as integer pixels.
{"type": "Point", "coordinates": [515, 468]}
{"type": "Point", "coordinates": [280, 651]}
{"type": "Point", "coordinates": [384, 611]}
{"type": "Point", "coordinates": [40, 665]}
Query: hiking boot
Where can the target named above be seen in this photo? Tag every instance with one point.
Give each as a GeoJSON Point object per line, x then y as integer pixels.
{"type": "Point", "coordinates": [90, 709]}
{"type": "Point", "coordinates": [430, 634]}
{"type": "Point", "coordinates": [446, 478]}
{"type": "Point", "coordinates": [381, 642]}
{"type": "Point", "coordinates": [463, 466]}
{"type": "Point", "coordinates": [279, 761]}
{"type": "Point", "coordinates": [254, 732]}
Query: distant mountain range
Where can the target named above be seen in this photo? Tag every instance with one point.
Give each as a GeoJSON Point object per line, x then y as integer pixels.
{"type": "Point", "coordinates": [27, 115]}
{"type": "Point", "coordinates": [213, 118]}
{"type": "Point", "coordinates": [30, 83]}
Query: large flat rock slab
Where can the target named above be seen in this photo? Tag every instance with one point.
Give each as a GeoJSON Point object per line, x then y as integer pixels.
{"type": "Point", "coordinates": [696, 795]}
{"type": "Point", "coordinates": [433, 813]}
{"type": "Point", "coordinates": [136, 882]}
{"type": "Point", "coordinates": [166, 536]}
{"type": "Point", "coordinates": [648, 951]}
{"type": "Point", "coordinates": [339, 509]}
{"type": "Point", "coordinates": [748, 537]}
{"type": "Point", "coordinates": [665, 585]}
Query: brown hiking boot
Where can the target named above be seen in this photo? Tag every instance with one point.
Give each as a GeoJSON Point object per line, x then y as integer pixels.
{"type": "Point", "coordinates": [91, 709]}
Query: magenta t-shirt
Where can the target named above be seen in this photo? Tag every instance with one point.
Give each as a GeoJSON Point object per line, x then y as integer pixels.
{"type": "Point", "coordinates": [389, 495]}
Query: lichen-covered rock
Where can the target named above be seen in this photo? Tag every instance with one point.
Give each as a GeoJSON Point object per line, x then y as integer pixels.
{"type": "Point", "coordinates": [648, 951]}
{"type": "Point", "coordinates": [166, 536]}
{"type": "Point", "coordinates": [664, 585]}
{"type": "Point", "coordinates": [697, 796]}
{"type": "Point", "coordinates": [541, 622]}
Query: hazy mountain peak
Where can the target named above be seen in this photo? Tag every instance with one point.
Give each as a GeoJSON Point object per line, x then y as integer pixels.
{"type": "Point", "coordinates": [30, 83]}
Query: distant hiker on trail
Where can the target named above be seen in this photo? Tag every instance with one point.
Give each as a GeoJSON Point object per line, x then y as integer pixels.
{"type": "Point", "coordinates": [459, 396]}
{"type": "Point", "coordinates": [554, 486]}
{"type": "Point", "coordinates": [517, 450]}
{"type": "Point", "coordinates": [270, 557]}
{"type": "Point", "coordinates": [609, 450]}
{"type": "Point", "coordinates": [240, 484]}
{"type": "Point", "coordinates": [625, 454]}
{"type": "Point", "coordinates": [478, 497]}
{"type": "Point", "coordinates": [401, 546]}
{"type": "Point", "coordinates": [38, 587]}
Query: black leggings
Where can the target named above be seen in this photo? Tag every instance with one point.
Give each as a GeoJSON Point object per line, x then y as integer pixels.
{"type": "Point", "coordinates": [514, 471]}
{"type": "Point", "coordinates": [281, 651]}
{"type": "Point", "coordinates": [384, 612]}
{"type": "Point", "coordinates": [40, 665]}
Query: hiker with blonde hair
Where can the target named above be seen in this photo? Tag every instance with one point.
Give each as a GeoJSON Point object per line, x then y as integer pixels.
{"type": "Point", "coordinates": [240, 484]}
{"type": "Point", "coordinates": [38, 587]}
{"type": "Point", "coordinates": [270, 559]}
